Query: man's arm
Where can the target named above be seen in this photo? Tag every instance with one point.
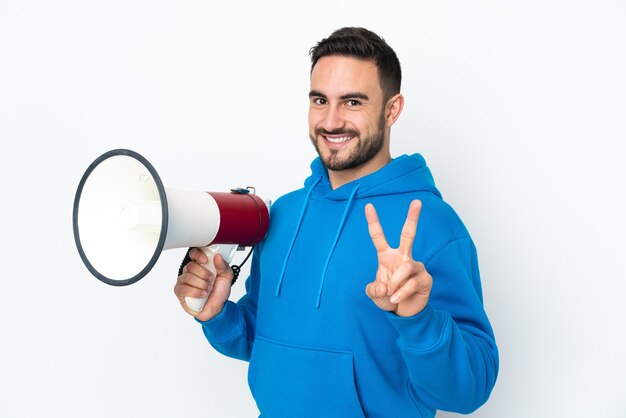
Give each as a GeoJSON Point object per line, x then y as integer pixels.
{"type": "Point", "coordinates": [445, 337]}
{"type": "Point", "coordinates": [229, 327]}
{"type": "Point", "coordinates": [449, 347]}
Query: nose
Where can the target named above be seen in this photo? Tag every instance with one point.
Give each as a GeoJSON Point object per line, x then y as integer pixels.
{"type": "Point", "coordinates": [333, 119]}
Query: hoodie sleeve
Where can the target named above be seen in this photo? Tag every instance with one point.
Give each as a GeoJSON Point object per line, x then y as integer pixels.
{"type": "Point", "coordinates": [449, 347]}
{"type": "Point", "coordinates": [232, 331]}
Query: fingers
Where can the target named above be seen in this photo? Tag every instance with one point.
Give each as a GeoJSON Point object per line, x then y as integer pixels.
{"type": "Point", "coordinates": [198, 273]}
{"type": "Point", "coordinates": [196, 281]}
{"type": "Point", "coordinates": [217, 298]}
{"type": "Point", "coordinates": [375, 229]}
{"type": "Point", "coordinates": [406, 292]}
{"type": "Point", "coordinates": [197, 255]}
{"type": "Point", "coordinates": [402, 284]}
{"type": "Point", "coordinates": [377, 292]}
{"type": "Point", "coordinates": [407, 237]}
{"type": "Point", "coordinates": [204, 279]}
{"type": "Point", "coordinates": [409, 279]}
{"type": "Point", "coordinates": [220, 291]}
{"type": "Point", "coordinates": [198, 270]}
{"type": "Point", "coordinates": [182, 291]}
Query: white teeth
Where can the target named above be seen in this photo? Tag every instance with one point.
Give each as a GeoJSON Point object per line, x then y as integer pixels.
{"type": "Point", "coordinates": [339, 140]}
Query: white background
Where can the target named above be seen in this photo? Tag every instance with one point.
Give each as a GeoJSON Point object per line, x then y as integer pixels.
{"type": "Point", "coordinates": [519, 108]}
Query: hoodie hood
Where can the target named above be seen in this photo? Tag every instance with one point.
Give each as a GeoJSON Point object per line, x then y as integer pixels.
{"type": "Point", "coordinates": [401, 175]}
{"type": "Point", "coordinates": [406, 173]}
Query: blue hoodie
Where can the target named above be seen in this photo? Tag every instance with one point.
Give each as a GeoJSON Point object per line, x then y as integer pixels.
{"type": "Point", "coordinates": [319, 347]}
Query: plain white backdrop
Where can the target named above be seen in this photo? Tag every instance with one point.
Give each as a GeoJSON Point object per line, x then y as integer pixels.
{"type": "Point", "coordinates": [518, 107]}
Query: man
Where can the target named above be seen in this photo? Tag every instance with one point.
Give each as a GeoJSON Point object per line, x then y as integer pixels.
{"type": "Point", "coordinates": [347, 314]}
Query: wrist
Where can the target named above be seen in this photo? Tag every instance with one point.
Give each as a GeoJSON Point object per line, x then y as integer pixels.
{"type": "Point", "coordinates": [209, 315]}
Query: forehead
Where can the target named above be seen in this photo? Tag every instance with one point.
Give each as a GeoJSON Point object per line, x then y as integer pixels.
{"type": "Point", "coordinates": [337, 75]}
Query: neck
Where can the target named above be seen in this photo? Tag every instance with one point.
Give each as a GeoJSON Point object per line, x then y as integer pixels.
{"type": "Point", "coordinates": [339, 178]}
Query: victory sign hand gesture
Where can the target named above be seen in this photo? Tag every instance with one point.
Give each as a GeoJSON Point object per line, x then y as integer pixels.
{"type": "Point", "coordinates": [402, 284]}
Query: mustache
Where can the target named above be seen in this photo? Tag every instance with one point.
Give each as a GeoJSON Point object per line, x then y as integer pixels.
{"type": "Point", "coordinates": [339, 131]}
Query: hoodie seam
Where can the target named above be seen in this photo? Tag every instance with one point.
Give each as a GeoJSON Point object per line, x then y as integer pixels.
{"type": "Point", "coordinates": [443, 247]}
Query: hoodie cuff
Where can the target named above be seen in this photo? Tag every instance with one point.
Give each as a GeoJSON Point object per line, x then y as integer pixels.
{"type": "Point", "coordinates": [421, 331]}
{"type": "Point", "coordinates": [223, 326]}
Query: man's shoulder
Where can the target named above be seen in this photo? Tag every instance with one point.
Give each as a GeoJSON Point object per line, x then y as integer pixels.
{"type": "Point", "coordinates": [289, 199]}
{"type": "Point", "coordinates": [440, 217]}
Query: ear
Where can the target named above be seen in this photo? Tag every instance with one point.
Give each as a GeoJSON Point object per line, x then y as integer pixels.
{"type": "Point", "coordinates": [394, 107]}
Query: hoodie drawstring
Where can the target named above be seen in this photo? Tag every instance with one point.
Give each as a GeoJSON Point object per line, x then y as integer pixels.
{"type": "Point", "coordinates": [332, 249]}
{"type": "Point", "coordinates": [295, 234]}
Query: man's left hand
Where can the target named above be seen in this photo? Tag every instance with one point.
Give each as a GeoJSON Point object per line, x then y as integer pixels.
{"type": "Point", "coordinates": [402, 284]}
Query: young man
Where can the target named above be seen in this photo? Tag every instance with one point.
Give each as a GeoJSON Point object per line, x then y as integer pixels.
{"type": "Point", "coordinates": [348, 314]}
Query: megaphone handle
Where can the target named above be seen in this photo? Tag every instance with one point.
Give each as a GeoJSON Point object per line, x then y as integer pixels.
{"type": "Point", "coordinates": [227, 251]}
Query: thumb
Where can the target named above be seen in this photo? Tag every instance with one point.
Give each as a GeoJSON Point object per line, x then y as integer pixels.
{"type": "Point", "coordinates": [222, 268]}
{"type": "Point", "coordinates": [221, 289]}
{"type": "Point", "coordinates": [223, 282]}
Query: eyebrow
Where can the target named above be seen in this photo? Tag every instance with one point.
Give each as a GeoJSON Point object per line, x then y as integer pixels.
{"type": "Point", "coordinates": [355, 95]}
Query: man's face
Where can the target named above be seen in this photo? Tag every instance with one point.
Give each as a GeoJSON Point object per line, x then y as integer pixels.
{"type": "Point", "coordinates": [346, 112]}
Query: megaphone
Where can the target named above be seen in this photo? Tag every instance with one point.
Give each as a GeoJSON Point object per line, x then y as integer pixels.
{"type": "Point", "coordinates": [123, 218]}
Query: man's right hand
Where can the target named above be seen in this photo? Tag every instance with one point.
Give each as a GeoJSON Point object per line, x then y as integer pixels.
{"type": "Point", "coordinates": [197, 282]}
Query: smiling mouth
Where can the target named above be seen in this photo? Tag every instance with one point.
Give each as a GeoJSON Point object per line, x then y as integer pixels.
{"type": "Point", "coordinates": [337, 140]}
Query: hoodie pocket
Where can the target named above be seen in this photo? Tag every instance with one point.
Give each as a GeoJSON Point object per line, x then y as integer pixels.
{"type": "Point", "coordinates": [290, 381]}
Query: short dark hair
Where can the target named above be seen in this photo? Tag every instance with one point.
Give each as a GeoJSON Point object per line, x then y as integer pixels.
{"type": "Point", "coordinates": [363, 44]}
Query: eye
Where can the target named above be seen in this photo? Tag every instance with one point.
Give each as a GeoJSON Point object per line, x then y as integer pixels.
{"type": "Point", "coordinates": [319, 101]}
{"type": "Point", "coordinates": [353, 103]}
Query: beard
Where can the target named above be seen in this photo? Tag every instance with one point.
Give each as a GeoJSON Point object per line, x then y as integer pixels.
{"type": "Point", "coordinates": [363, 150]}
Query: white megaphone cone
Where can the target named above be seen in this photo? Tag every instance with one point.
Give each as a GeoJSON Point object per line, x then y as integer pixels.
{"type": "Point", "coordinates": [124, 218]}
